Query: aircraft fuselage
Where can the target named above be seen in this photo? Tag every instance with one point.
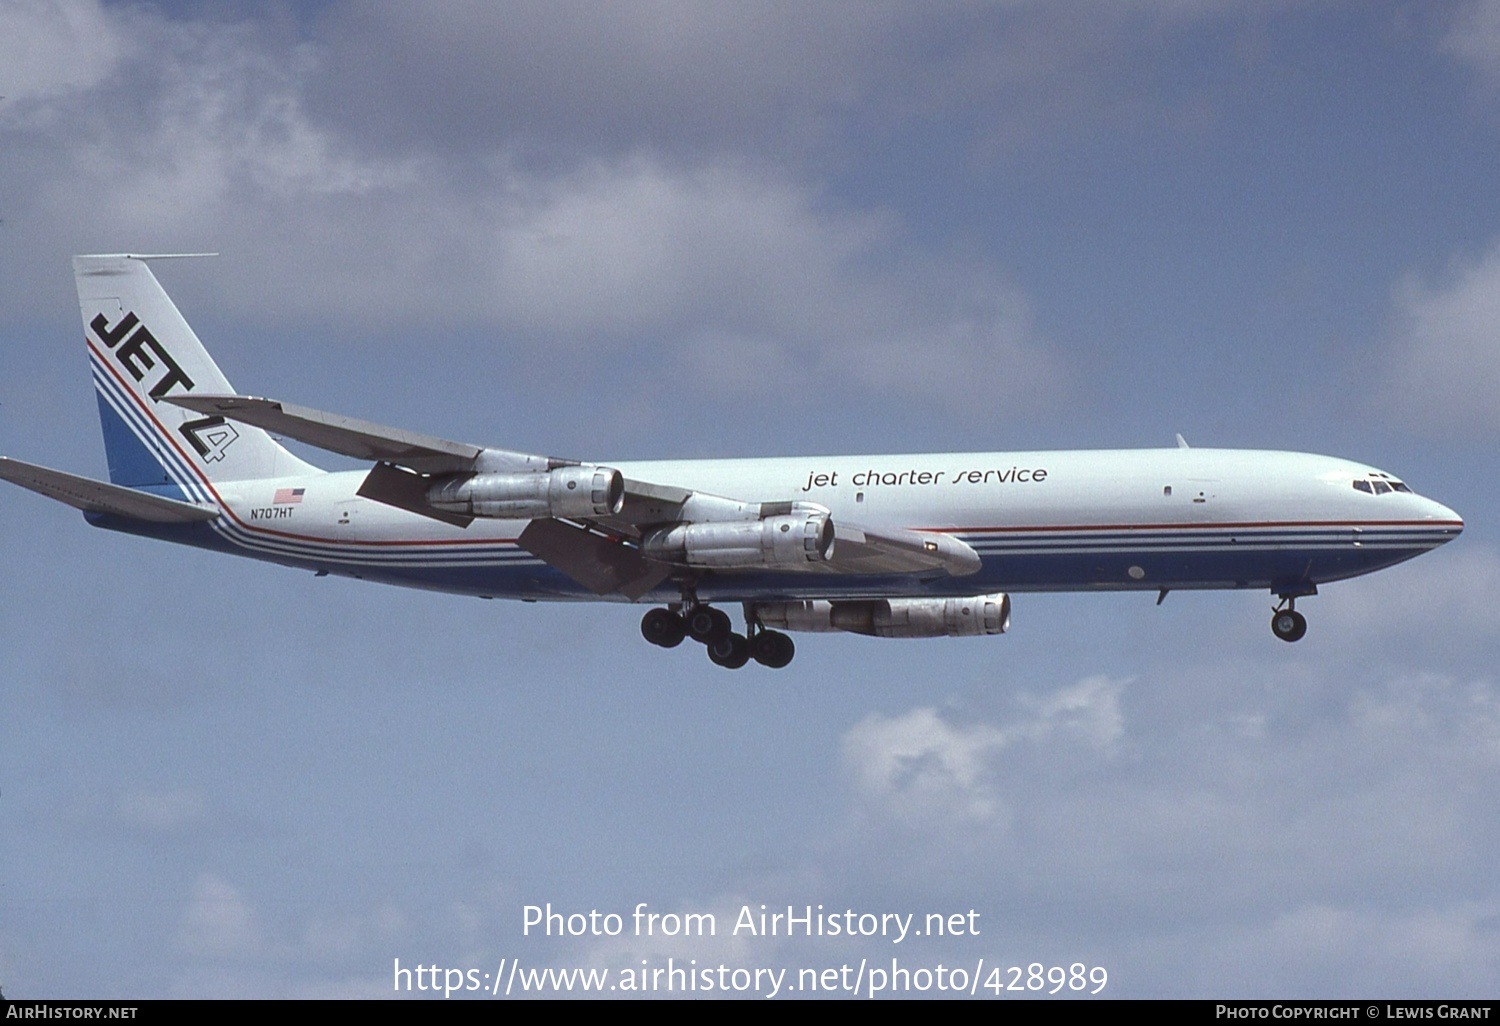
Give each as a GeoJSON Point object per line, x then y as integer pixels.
{"type": "Point", "coordinates": [1041, 521]}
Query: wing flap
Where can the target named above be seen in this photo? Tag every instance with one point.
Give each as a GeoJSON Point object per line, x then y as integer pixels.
{"type": "Point", "coordinates": [405, 490]}
{"type": "Point", "coordinates": [98, 497]}
{"type": "Point", "coordinates": [603, 565]}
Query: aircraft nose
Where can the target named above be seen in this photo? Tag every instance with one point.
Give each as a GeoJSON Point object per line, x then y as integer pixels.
{"type": "Point", "coordinates": [1447, 518]}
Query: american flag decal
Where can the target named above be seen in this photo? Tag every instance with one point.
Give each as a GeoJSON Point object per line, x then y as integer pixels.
{"type": "Point", "coordinates": [287, 495]}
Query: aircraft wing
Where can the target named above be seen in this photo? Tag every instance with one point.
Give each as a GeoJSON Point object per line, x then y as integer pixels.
{"type": "Point", "coordinates": [602, 561]}
{"type": "Point", "coordinates": [604, 551]}
{"type": "Point", "coordinates": [98, 497]}
{"type": "Point", "coordinates": [337, 433]}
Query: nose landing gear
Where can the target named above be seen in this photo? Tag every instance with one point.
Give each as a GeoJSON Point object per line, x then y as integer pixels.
{"type": "Point", "coordinates": [1286, 623]}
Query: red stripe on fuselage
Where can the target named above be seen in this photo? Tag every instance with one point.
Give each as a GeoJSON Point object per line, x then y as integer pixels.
{"type": "Point", "coordinates": [1197, 526]}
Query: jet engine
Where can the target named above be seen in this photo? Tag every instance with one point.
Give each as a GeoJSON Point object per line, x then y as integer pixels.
{"type": "Point", "coordinates": [788, 540]}
{"type": "Point", "coordinates": [579, 491]}
{"type": "Point", "coordinates": [972, 616]}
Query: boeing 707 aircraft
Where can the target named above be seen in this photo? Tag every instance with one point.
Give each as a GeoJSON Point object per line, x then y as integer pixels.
{"type": "Point", "coordinates": [910, 546]}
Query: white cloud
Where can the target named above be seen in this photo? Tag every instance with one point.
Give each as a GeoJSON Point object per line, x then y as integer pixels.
{"type": "Point", "coordinates": [1448, 595]}
{"type": "Point", "coordinates": [1452, 948]}
{"type": "Point", "coordinates": [1088, 711]}
{"type": "Point", "coordinates": [634, 246]}
{"type": "Point", "coordinates": [214, 129]}
{"type": "Point", "coordinates": [610, 76]}
{"type": "Point", "coordinates": [918, 768]}
{"type": "Point", "coordinates": [681, 77]}
{"type": "Point", "coordinates": [1457, 722]}
{"type": "Point", "coordinates": [1446, 361]}
{"type": "Point", "coordinates": [1342, 787]}
{"type": "Point", "coordinates": [921, 770]}
{"type": "Point", "coordinates": [162, 810]}
{"type": "Point", "coordinates": [331, 937]}
{"type": "Point", "coordinates": [723, 263]}
{"type": "Point", "coordinates": [50, 47]}
{"type": "Point", "coordinates": [1474, 36]}
{"type": "Point", "coordinates": [758, 287]}
{"type": "Point", "coordinates": [219, 920]}
{"type": "Point", "coordinates": [730, 272]}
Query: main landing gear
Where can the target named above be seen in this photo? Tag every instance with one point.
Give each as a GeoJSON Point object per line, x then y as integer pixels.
{"type": "Point", "coordinates": [712, 629]}
{"type": "Point", "coordinates": [1286, 623]}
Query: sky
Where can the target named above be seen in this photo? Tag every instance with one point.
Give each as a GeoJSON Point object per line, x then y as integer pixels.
{"type": "Point", "coordinates": [674, 229]}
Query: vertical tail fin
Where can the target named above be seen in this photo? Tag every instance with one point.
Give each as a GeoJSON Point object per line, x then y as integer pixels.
{"type": "Point", "coordinates": [141, 350]}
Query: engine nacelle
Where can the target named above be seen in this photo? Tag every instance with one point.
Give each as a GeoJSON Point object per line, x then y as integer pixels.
{"type": "Point", "coordinates": [790, 540]}
{"type": "Point", "coordinates": [569, 492]}
{"type": "Point", "coordinates": [971, 616]}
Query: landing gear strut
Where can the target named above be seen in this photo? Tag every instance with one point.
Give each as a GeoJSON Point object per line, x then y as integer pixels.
{"type": "Point", "coordinates": [712, 629]}
{"type": "Point", "coordinates": [1286, 623]}
{"type": "Point", "coordinates": [772, 648]}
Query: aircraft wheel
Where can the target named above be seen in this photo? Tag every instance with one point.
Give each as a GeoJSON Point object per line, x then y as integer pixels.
{"type": "Point", "coordinates": [773, 649]}
{"type": "Point", "coordinates": [663, 627]}
{"type": "Point", "coordinates": [707, 624]}
{"type": "Point", "coordinates": [1289, 625]}
{"type": "Point", "coordinates": [731, 651]}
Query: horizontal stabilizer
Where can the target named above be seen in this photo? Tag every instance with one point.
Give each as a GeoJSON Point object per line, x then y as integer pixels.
{"type": "Point", "coordinates": [97, 497]}
{"type": "Point", "coordinates": [337, 433]}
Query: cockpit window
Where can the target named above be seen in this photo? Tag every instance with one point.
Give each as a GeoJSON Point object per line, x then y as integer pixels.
{"type": "Point", "coordinates": [1379, 484]}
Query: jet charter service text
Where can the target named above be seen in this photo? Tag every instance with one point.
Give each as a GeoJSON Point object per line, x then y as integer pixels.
{"type": "Point", "coordinates": [963, 475]}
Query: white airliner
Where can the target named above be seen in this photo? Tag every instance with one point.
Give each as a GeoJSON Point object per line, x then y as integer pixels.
{"type": "Point", "coordinates": [892, 546]}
